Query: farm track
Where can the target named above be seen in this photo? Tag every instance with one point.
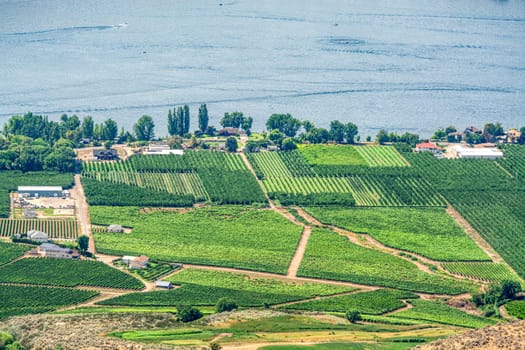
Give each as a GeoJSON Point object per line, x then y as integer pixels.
{"type": "Point", "coordinates": [370, 242]}
{"type": "Point", "coordinates": [407, 306]}
{"type": "Point", "coordinates": [299, 253]}
{"type": "Point", "coordinates": [82, 212]}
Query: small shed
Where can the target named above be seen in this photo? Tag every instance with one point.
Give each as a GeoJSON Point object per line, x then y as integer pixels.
{"type": "Point", "coordinates": [115, 228]}
{"type": "Point", "coordinates": [163, 284]}
{"type": "Point", "coordinates": [127, 259]}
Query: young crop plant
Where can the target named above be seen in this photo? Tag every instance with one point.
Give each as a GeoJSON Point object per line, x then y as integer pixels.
{"type": "Point", "coordinates": [430, 232]}
{"type": "Point", "coordinates": [332, 256]}
{"type": "Point", "coordinates": [207, 287]}
{"type": "Point", "coordinates": [232, 236]}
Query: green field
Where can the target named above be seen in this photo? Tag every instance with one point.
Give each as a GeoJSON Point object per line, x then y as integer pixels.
{"type": "Point", "coordinates": [203, 287]}
{"type": "Point", "coordinates": [66, 273]}
{"type": "Point", "coordinates": [172, 180]}
{"type": "Point", "coordinates": [430, 232]}
{"type": "Point", "coordinates": [435, 311]}
{"type": "Point", "coordinates": [10, 251]}
{"type": "Point", "coordinates": [381, 156]}
{"type": "Point", "coordinates": [331, 155]}
{"type": "Point", "coordinates": [20, 300]}
{"type": "Point", "coordinates": [375, 302]}
{"type": "Point", "coordinates": [332, 256]}
{"type": "Point", "coordinates": [486, 271]}
{"type": "Point", "coordinates": [516, 308]}
{"type": "Point", "coordinates": [342, 346]}
{"type": "Point", "coordinates": [232, 236]}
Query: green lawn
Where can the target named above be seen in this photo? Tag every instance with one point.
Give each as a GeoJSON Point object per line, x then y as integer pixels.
{"type": "Point", "coordinates": [233, 236]}
{"type": "Point", "coordinates": [331, 155]}
{"type": "Point", "coordinates": [430, 232]}
{"type": "Point", "coordinates": [204, 287]}
{"type": "Point", "coordinates": [435, 311]}
{"type": "Point", "coordinates": [329, 255]}
{"type": "Point", "coordinates": [375, 302]}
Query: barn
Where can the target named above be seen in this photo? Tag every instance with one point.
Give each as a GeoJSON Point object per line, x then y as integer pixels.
{"type": "Point", "coordinates": [40, 191]}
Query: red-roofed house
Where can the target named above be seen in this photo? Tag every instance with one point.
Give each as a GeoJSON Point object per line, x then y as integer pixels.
{"type": "Point", "coordinates": [427, 147]}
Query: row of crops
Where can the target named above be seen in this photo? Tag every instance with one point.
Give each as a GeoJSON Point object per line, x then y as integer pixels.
{"type": "Point", "coordinates": [486, 271]}
{"type": "Point", "coordinates": [55, 228]}
{"type": "Point", "coordinates": [172, 180]}
{"type": "Point", "coordinates": [66, 273]}
{"type": "Point", "coordinates": [20, 300]}
{"type": "Point", "coordinates": [487, 194]}
{"type": "Point", "coordinates": [381, 184]}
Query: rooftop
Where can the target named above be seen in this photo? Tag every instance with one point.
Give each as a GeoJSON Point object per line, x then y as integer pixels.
{"type": "Point", "coordinates": [39, 188]}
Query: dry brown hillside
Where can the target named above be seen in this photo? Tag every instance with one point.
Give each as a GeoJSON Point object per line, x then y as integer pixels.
{"type": "Point", "coordinates": [509, 336]}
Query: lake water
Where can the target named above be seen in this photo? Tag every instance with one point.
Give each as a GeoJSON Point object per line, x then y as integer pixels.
{"type": "Point", "coordinates": [404, 65]}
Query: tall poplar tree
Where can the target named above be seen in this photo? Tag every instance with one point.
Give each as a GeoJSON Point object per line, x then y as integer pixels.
{"type": "Point", "coordinates": [186, 123]}
{"type": "Point", "coordinates": [203, 118]}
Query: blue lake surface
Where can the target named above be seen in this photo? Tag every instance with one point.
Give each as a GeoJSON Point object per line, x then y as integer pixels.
{"type": "Point", "coordinates": [403, 65]}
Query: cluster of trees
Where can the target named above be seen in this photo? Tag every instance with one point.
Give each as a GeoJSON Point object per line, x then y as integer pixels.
{"type": "Point", "coordinates": [69, 127]}
{"type": "Point", "coordinates": [23, 153]}
{"type": "Point", "coordinates": [284, 128]}
{"type": "Point", "coordinates": [237, 120]}
{"type": "Point", "coordinates": [179, 121]}
{"type": "Point", "coordinates": [497, 295]}
{"type": "Point", "coordinates": [490, 133]}
{"type": "Point", "coordinates": [385, 136]}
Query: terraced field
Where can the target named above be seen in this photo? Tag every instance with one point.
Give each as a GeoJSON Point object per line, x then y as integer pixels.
{"type": "Point", "coordinates": [486, 271]}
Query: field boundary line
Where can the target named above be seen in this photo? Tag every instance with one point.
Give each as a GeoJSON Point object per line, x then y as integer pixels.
{"type": "Point", "coordinates": [250, 167]}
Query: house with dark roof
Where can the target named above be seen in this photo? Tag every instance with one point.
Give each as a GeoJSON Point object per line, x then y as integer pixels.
{"type": "Point", "coordinates": [105, 154]}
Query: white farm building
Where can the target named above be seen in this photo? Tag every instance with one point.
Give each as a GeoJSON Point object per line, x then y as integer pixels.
{"type": "Point", "coordinates": [39, 191]}
{"type": "Point", "coordinates": [476, 153]}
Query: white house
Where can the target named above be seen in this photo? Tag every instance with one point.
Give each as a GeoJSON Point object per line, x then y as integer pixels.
{"type": "Point", "coordinates": [37, 236]}
{"type": "Point", "coordinates": [53, 251]}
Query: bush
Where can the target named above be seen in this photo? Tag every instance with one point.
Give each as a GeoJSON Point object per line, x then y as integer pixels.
{"type": "Point", "coordinates": [353, 316]}
{"type": "Point", "coordinates": [225, 304]}
{"type": "Point", "coordinates": [188, 313]}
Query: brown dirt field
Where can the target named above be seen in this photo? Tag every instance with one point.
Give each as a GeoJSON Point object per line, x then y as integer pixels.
{"type": "Point", "coordinates": [507, 336]}
{"type": "Point", "coordinates": [299, 253]}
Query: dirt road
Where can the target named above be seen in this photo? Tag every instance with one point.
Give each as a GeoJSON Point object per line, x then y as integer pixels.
{"type": "Point", "coordinates": [299, 252]}
{"type": "Point", "coordinates": [82, 212]}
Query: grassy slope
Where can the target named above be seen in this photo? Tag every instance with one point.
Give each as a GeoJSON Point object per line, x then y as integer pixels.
{"type": "Point", "coordinates": [331, 155]}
